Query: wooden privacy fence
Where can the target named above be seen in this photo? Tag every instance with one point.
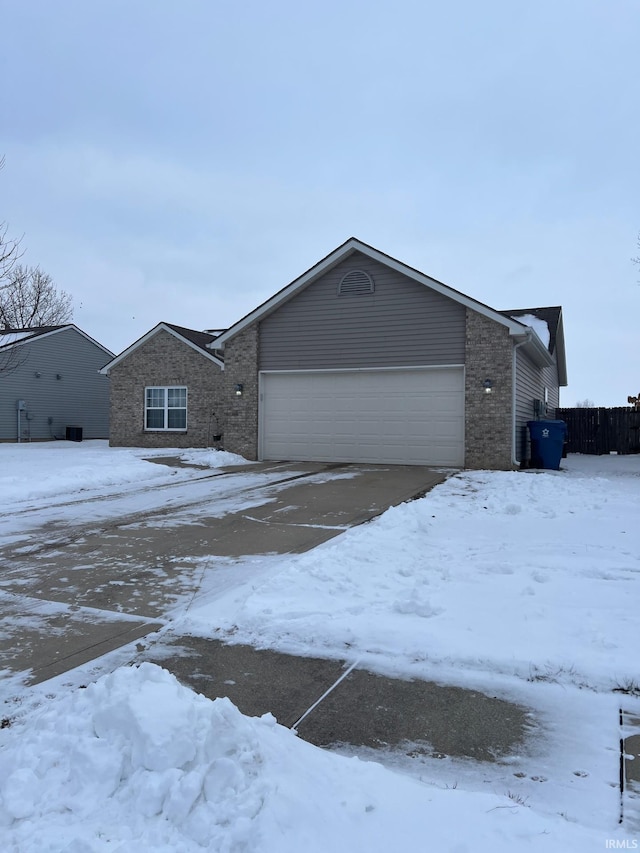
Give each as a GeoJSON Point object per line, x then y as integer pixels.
{"type": "Point", "coordinates": [602, 430]}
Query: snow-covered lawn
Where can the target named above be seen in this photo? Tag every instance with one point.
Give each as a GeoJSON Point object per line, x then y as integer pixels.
{"type": "Point", "coordinates": [521, 584]}
{"type": "Point", "coordinates": [50, 472]}
{"type": "Point", "coordinates": [527, 574]}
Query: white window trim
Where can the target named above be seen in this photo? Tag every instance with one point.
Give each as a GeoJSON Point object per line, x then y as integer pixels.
{"type": "Point", "coordinates": [166, 388]}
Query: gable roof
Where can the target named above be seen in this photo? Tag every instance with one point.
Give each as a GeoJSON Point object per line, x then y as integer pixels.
{"type": "Point", "coordinates": [552, 316]}
{"type": "Point", "coordinates": [199, 341]}
{"type": "Point", "coordinates": [518, 330]}
{"type": "Point", "coordinates": [10, 338]}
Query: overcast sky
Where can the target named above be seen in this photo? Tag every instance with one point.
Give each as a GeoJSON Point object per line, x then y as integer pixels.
{"type": "Point", "coordinates": [182, 161]}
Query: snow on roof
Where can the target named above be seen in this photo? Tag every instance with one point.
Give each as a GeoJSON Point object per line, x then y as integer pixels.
{"type": "Point", "coordinates": [539, 326]}
{"type": "Point", "coordinates": [12, 337]}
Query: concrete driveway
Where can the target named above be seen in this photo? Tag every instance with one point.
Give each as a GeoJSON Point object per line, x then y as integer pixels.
{"type": "Point", "coordinates": [69, 593]}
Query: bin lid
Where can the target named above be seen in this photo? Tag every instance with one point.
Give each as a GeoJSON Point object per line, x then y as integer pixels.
{"type": "Point", "coordinates": [553, 427]}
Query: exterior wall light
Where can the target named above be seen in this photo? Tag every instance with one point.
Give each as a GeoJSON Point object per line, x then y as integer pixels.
{"type": "Point", "coordinates": [488, 386]}
{"type": "Point", "coordinates": [58, 376]}
{"type": "Point", "coordinates": [37, 374]}
{"type": "Point", "coordinates": [239, 389]}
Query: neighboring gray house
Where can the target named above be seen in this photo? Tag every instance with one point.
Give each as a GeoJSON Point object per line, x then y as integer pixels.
{"type": "Point", "coordinates": [365, 359]}
{"type": "Point", "coordinates": [50, 380]}
{"type": "Point", "coordinates": [166, 390]}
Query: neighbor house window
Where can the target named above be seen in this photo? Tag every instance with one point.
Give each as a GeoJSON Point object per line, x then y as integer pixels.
{"type": "Point", "coordinates": [165, 408]}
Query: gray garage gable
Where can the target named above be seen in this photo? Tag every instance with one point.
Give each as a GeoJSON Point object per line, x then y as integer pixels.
{"type": "Point", "coordinates": [320, 327]}
{"type": "Point", "coordinates": [397, 296]}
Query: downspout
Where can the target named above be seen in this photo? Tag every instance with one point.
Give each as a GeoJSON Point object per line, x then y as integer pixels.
{"type": "Point", "coordinates": [515, 461]}
{"type": "Point", "coordinates": [21, 407]}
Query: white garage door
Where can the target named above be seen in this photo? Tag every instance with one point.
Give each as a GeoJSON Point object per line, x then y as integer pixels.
{"type": "Point", "coordinates": [402, 416]}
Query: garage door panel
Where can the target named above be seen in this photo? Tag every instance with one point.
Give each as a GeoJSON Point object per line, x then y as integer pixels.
{"type": "Point", "coordinates": [402, 416]}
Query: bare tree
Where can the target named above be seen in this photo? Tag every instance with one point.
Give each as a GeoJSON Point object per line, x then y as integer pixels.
{"type": "Point", "coordinates": [9, 253]}
{"type": "Point", "coordinates": [636, 260]}
{"type": "Point", "coordinates": [585, 404]}
{"type": "Point", "coordinates": [9, 249]}
{"type": "Point", "coordinates": [30, 299]}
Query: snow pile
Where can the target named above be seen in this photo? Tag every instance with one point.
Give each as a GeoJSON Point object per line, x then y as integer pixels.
{"type": "Point", "coordinates": [211, 458]}
{"type": "Point", "coordinates": [511, 572]}
{"type": "Point", "coordinates": [138, 762]}
{"type": "Point", "coordinates": [134, 756]}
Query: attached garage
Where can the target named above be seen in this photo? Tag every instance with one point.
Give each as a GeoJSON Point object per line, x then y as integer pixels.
{"type": "Point", "coordinates": [365, 359]}
{"type": "Point", "coordinates": [402, 416]}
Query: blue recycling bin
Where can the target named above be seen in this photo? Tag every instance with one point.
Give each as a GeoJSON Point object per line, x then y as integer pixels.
{"type": "Point", "coordinates": [547, 441]}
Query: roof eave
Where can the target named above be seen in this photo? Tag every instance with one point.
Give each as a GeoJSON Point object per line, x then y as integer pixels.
{"type": "Point", "coordinates": [160, 327]}
{"type": "Point", "coordinates": [285, 293]}
{"type": "Point", "coordinates": [561, 356]}
{"type": "Point", "coordinates": [347, 248]}
{"type": "Point", "coordinates": [55, 331]}
{"type": "Point", "coordinates": [535, 349]}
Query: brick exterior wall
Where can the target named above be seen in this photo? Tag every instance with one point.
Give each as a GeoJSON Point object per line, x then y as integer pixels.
{"type": "Point", "coordinates": [240, 426]}
{"type": "Point", "coordinates": [165, 360]}
{"type": "Point", "coordinates": [488, 417]}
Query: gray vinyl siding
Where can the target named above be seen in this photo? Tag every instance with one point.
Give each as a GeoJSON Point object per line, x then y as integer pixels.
{"type": "Point", "coordinates": [550, 379]}
{"type": "Point", "coordinates": [402, 323]}
{"type": "Point", "coordinates": [529, 387]}
{"type": "Point", "coordinates": [79, 398]}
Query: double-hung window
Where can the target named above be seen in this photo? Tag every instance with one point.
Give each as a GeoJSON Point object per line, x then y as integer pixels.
{"type": "Point", "coordinates": [165, 408]}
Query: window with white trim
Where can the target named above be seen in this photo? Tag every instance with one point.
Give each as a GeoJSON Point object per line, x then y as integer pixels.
{"type": "Point", "coordinates": [165, 408]}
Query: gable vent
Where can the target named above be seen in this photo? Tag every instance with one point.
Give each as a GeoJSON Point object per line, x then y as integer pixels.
{"type": "Point", "coordinates": [355, 283]}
